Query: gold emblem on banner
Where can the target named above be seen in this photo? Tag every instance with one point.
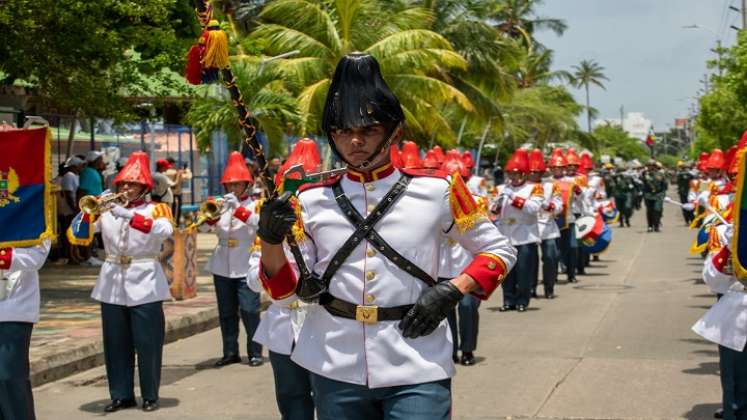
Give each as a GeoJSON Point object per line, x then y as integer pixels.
{"type": "Point", "coordinates": [8, 185]}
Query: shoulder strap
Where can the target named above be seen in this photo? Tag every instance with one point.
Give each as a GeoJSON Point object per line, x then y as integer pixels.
{"type": "Point", "coordinates": [364, 230]}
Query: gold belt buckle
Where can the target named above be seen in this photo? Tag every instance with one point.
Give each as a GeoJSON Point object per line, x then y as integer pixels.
{"type": "Point", "coordinates": [293, 305]}
{"type": "Point", "coordinates": [509, 221]}
{"type": "Point", "coordinates": [125, 259]}
{"type": "Point", "coordinates": [232, 243]}
{"type": "Point", "coordinates": [367, 314]}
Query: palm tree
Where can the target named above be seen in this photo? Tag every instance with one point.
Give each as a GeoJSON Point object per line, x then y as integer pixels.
{"type": "Point", "coordinates": [518, 20]}
{"type": "Point", "coordinates": [415, 61]}
{"type": "Point", "coordinates": [585, 74]}
{"type": "Point", "coordinates": [534, 68]}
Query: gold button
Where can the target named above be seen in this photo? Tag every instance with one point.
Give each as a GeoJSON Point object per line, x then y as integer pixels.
{"type": "Point", "coordinates": [370, 298]}
{"type": "Point", "coordinates": [370, 275]}
{"type": "Point", "coordinates": [2, 262]}
{"type": "Point", "coordinates": [371, 207]}
{"type": "Point", "coordinates": [371, 252]}
{"type": "Point", "coordinates": [3, 252]}
{"type": "Point", "coordinates": [491, 265]}
{"type": "Point", "coordinates": [370, 187]}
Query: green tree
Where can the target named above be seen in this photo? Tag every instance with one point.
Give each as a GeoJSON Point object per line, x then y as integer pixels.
{"type": "Point", "coordinates": [415, 61]}
{"type": "Point", "coordinates": [74, 53]}
{"type": "Point", "coordinates": [585, 74]}
{"type": "Point", "coordinates": [518, 19]}
{"type": "Point", "coordinates": [612, 140]}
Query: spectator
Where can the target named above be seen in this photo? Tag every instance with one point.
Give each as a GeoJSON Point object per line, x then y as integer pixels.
{"type": "Point", "coordinates": [177, 176]}
{"type": "Point", "coordinates": [91, 180]}
{"type": "Point", "coordinates": [162, 185]}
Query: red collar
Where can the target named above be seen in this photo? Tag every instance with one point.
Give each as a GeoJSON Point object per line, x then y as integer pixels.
{"type": "Point", "coordinates": [375, 175]}
{"type": "Point", "coordinates": [136, 203]}
{"type": "Point", "coordinates": [244, 197]}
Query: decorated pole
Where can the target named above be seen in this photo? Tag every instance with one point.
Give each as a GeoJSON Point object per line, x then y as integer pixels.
{"type": "Point", "coordinates": [208, 62]}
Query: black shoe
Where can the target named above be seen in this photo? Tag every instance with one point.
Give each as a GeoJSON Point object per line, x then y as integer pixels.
{"type": "Point", "coordinates": [650, 229]}
{"type": "Point", "coordinates": [581, 272]}
{"type": "Point", "coordinates": [117, 405]}
{"type": "Point", "coordinates": [595, 258]}
{"type": "Point", "coordinates": [506, 308]}
{"type": "Point", "coordinates": [656, 229]}
{"type": "Point", "coordinates": [534, 294]}
{"type": "Point", "coordinates": [255, 361]}
{"type": "Point", "coordinates": [228, 360]}
{"type": "Point", "coordinates": [149, 405]}
{"type": "Point", "coordinates": [549, 295]}
{"type": "Point", "coordinates": [628, 224]}
{"type": "Point", "coordinates": [572, 280]}
{"type": "Point", "coordinates": [455, 358]}
{"type": "Point", "coordinates": [468, 358]}
{"type": "Point", "coordinates": [718, 414]}
{"type": "Point", "coordinates": [521, 308]}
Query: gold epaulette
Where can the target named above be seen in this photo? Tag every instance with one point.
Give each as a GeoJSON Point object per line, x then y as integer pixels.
{"type": "Point", "coordinates": [464, 208]}
{"type": "Point", "coordinates": [538, 190]}
{"type": "Point", "coordinates": [162, 210]}
{"type": "Point", "coordinates": [299, 232]}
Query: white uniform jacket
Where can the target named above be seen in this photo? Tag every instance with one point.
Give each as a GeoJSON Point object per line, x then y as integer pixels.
{"type": "Point", "coordinates": [518, 216]}
{"type": "Point", "coordinates": [236, 230]}
{"type": "Point", "coordinates": [552, 207]}
{"type": "Point", "coordinates": [19, 276]}
{"type": "Point", "coordinates": [132, 274]}
{"type": "Point", "coordinates": [477, 185]}
{"type": "Point", "coordinates": [726, 322]}
{"type": "Point", "coordinates": [416, 226]}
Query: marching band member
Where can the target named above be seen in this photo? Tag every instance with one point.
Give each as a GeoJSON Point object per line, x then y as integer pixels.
{"type": "Point", "coordinates": [19, 311]}
{"type": "Point", "coordinates": [281, 323]}
{"type": "Point", "coordinates": [236, 228]}
{"type": "Point", "coordinates": [517, 207]}
{"type": "Point", "coordinates": [377, 346]}
{"type": "Point", "coordinates": [131, 285]}
{"type": "Point", "coordinates": [579, 204]}
{"type": "Point", "coordinates": [566, 220]}
{"type": "Point", "coordinates": [549, 232]}
{"type": "Point", "coordinates": [475, 183]}
{"type": "Point", "coordinates": [454, 258]}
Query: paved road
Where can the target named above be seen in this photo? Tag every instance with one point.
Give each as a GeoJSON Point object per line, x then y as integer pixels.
{"type": "Point", "coordinates": [617, 345]}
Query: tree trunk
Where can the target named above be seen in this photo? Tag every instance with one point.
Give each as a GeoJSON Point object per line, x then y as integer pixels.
{"type": "Point", "coordinates": [588, 109]}
{"type": "Point", "coordinates": [71, 136]}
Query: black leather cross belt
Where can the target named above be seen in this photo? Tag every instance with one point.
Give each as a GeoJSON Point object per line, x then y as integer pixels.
{"type": "Point", "coordinates": [369, 314]}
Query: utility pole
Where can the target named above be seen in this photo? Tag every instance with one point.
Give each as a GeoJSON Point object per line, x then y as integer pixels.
{"type": "Point", "coordinates": [744, 14]}
{"type": "Point", "coordinates": [622, 117]}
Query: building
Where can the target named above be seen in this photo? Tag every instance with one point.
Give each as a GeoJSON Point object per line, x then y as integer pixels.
{"type": "Point", "coordinates": [635, 124]}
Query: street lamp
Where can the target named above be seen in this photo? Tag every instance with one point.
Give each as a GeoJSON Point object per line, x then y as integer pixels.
{"type": "Point", "coordinates": [718, 42]}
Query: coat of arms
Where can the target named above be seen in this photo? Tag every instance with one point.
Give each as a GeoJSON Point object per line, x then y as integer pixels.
{"type": "Point", "coordinates": [8, 185]}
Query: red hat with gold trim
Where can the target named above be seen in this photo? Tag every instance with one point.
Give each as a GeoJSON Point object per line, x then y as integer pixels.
{"type": "Point", "coordinates": [411, 155]}
{"type": "Point", "coordinates": [236, 170]}
{"type": "Point", "coordinates": [519, 162]}
{"type": "Point", "coordinates": [439, 152]}
{"type": "Point", "coordinates": [702, 160]}
{"type": "Point", "coordinates": [453, 163]}
{"type": "Point", "coordinates": [557, 159]}
{"type": "Point", "coordinates": [571, 157]}
{"type": "Point", "coordinates": [537, 161]}
{"type": "Point", "coordinates": [586, 160]}
{"type": "Point", "coordinates": [467, 159]}
{"type": "Point", "coordinates": [306, 153]}
{"type": "Point", "coordinates": [136, 170]}
{"type": "Point", "coordinates": [716, 160]}
{"type": "Point", "coordinates": [430, 161]}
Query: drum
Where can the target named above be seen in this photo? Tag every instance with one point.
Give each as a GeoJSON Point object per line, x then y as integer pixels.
{"type": "Point", "coordinates": [589, 228]}
{"type": "Point", "coordinates": [700, 243]}
{"type": "Point", "coordinates": [601, 244]}
{"type": "Point", "coordinates": [609, 211]}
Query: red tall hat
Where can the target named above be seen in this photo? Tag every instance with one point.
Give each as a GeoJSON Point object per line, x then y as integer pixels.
{"type": "Point", "coordinates": [395, 156]}
{"type": "Point", "coordinates": [306, 153]}
{"type": "Point", "coordinates": [519, 161]}
{"type": "Point", "coordinates": [411, 155]}
{"type": "Point", "coordinates": [716, 160]}
{"type": "Point", "coordinates": [440, 156]}
{"type": "Point", "coordinates": [586, 162]}
{"type": "Point", "coordinates": [137, 170]}
{"type": "Point", "coordinates": [537, 161]}
{"type": "Point", "coordinates": [571, 157]}
{"type": "Point", "coordinates": [467, 159]}
{"type": "Point", "coordinates": [430, 161]}
{"type": "Point", "coordinates": [702, 160]}
{"type": "Point", "coordinates": [557, 160]}
{"type": "Point", "coordinates": [453, 163]}
{"type": "Point", "coordinates": [236, 170]}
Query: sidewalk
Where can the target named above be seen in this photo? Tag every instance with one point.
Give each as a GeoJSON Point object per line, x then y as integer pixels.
{"type": "Point", "coordinates": [67, 339]}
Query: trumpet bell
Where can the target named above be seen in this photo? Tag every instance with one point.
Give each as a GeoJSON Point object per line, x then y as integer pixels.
{"type": "Point", "coordinates": [93, 205]}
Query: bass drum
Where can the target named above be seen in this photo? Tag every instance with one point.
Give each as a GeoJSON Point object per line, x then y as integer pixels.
{"type": "Point", "coordinates": [602, 242]}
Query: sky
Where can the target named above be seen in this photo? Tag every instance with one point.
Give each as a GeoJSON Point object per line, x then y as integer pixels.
{"type": "Point", "coordinates": [654, 65]}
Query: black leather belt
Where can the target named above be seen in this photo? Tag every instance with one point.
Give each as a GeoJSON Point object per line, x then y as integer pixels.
{"type": "Point", "coordinates": [368, 314]}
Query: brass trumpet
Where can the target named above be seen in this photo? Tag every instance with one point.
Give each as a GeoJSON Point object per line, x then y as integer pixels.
{"type": "Point", "coordinates": [209, 210]}
{"type": "Point", "coordinates": [93, 205]}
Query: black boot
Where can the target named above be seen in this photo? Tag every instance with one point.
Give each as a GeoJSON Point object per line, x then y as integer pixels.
{"type": "Point", "coordinates": [117, 405]}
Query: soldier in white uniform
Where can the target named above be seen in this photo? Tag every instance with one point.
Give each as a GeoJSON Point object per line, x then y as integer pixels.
{"type": "Point", "coordinates": [377, 346]}
{"type": "Point", "coordinates": [552, 207]}
{"type": "Point", "coordinates": [517, 207]}
{"type": "Point", "coordinates": [19, 311]}
{"type": "Point", "coordinates": [131, 285]}
{"type": "Point", "coordinates": [236, 228]}
{"type": "Point", "coordinates": [579, 205]}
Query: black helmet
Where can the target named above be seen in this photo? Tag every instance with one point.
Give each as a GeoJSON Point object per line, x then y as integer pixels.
{"type": "Point", "coordinates": [358, 97]}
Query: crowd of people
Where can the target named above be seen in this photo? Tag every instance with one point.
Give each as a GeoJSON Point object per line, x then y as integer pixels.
{"type": "Point", "coordinates": [375, 275]}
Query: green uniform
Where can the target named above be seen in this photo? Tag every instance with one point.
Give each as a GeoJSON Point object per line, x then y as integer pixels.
{"type": "Point", "coordinates": [654, 191]}
{"type": "Point", "coordinates": [624, 194]}
{"type": "Point", "coordinates": [683, 178]}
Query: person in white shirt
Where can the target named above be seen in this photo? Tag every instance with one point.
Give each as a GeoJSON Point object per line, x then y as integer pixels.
{"type": "Point", "coordinates": [236, 228]}
{"type": "Point", "coordinates": [378, 344]}
{"type": "Point", "coordinates": [19, 311]}
{"type": "Point", "coordinates": [131, 285]}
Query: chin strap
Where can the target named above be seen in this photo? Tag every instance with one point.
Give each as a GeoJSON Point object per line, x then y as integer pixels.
{"type": "Point", "coordinates": [381, 147]}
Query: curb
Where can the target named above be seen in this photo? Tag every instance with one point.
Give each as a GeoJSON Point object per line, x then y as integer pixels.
{"type": "Point", "coordinates": [90, 353]}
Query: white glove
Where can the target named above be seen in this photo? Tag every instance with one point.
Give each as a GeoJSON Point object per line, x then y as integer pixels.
{"type": "Point", "coordinates": [688, 206]}
{"type": "Point", "coordinates": [231, 201]}
{"type": "Point", "coordinates": [122, 213]}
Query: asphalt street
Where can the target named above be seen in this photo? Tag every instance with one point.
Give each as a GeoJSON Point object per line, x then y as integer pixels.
{"type": "Point", "coordinates": [616, 345]}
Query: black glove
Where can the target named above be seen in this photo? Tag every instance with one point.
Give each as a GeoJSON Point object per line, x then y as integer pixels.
{"type": "Point", "coordinates": [430, 309]}
{"type": "Point", "coordinates": [276, 219]}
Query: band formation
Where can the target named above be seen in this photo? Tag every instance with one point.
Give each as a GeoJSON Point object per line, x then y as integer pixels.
{"type": "Point", "coordinates": [376, 272]}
